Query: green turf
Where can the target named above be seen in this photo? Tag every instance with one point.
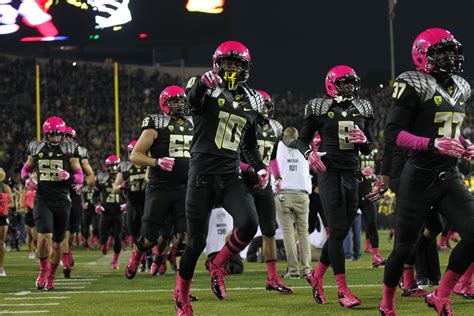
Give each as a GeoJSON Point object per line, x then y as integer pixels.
{"type": "Point", "coordinates": [108, 292]}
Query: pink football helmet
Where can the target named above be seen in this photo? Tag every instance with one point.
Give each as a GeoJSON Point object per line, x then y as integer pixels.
{"type": "Point", "coordinates": [236, 50]}
{"type": "Point", "coordinates": [428, 50]}
{"type": "Point", "coordinates": [337, 77]}
{"type": "Point", "coordinates": [269, 109]}
{"type": "Point", "coordinates": [173, 93]}
{"type": "Point", "coordinates": [112, 163]}
{"type": "Point", "coordinates": [131, 145]}
{"type": "Point", "coordinates": [69, 131]}
{"type": "Point", "coordinates": [54, 125]}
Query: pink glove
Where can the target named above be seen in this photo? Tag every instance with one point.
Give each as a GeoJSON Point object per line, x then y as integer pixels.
{"type": "Point", "coordinates": [31, 184]}
{"type": "Point", "coordinates": [315, 142]}
{"type": "Point", "coordinates": [63, 175]}
{"type": "Point", "coordinates": [85, 205]}
{"type": "Point", "coordinates": [376, 193]}
{"type": "Point", "coordinates": [449, 146]}
{"type": "Point", "coordinates": [367, 171]}
{"type": "Point", "coordinates": [210, 79]}
{"type": "Point", "coordinates": [315, 162]}
{"type": "Point", "coordinates": [165, 163]}
{"type": "Point", "coordinates": [469, 152]}
{"type": "Point", "coordinates": [77, 188]}
{"type": "Point", "coordinates": [356, 136]}
{"type": "Point", "coordinates": [277, 186]}
{"type": "Point", "coordinates": [99, 209]}
{"type": "Point", "coordinates": [246, 168]}
{"type": "Point", "coordinates": [123, 208]}
{"type": "Point", "coordinates": [263, 179]}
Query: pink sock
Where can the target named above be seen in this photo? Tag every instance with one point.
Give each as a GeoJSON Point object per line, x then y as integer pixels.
{"type": "Point", "coordinates": [388, 298]}
{"type": "Point", "coordinates": [154, 250]}
{"type": "Point", "coordinates": [65, 260]}
{"type": "Point", "coordinates": [341, 282]}
{"type": "Point", "coordinates": [320, 270]}
{"type": "Point", "coordinates": [223, 256]}
{"type": "Point", "coordinates": [116, 256]}
{"type": "Point", "coordinates": [44, 264]}
{"type": "Point", "coordinates": [408, 278]}
{"type": "Point", "coordinates": [52, 269]}
{"type": "Point", "coordinates": [447, 284]}
{"type": "Point", "coordinates": [375, 251]}
{"type": "Point", "coordinates": [184, 287]}
{"type": "Point", "coordinates": [272, 269]}
{"type": "Point", "coordinates": [467, 276]}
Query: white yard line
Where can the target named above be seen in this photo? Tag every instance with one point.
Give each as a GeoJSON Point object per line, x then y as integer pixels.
{"type": "Point", "coordinates": [260, 288]}
{"type": "Point", "coordinates": [24, 312]}
{"type": "Point", "coordinates": [37, 298]}
{"type": "Point", "coordinates": [71, 283]}
{"type": "Point", "coordinates": [30, 304]}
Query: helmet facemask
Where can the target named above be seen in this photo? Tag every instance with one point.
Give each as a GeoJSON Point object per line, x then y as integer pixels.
{"type": "Point", "coordinates": [178, 106]}
{"type": "Point", "coordinates": [348, 87]}
{"type": "Point", "coordinates": [446, 58]}
{"type": "Point", "coordinates": [54, 137]}
{"type": "Point", "coordinates": [268, 109]}
{"type": "Point", "coordinates": [113, 168]}
{"type": "Point", "coordinates": [232, 70]}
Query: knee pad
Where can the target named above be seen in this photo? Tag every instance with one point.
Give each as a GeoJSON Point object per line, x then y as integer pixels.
{"type": "Point", "coordinates": [337, 234]}
{"type": "Point", "coordinates": [246, 234]}
{"type": "Point", "coordinates": [268, 229]}
{"type": "Point", "coordinates": [58, 237]}
{"type": "Point", "coordinates": [405, 251]}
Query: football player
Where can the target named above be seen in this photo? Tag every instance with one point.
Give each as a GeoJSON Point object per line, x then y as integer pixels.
{"type": "Point", "coordinates": [57, 164]}
{"type": "Point", "coordinates": [344, 122]}
{"type": "Point", "coordinates": [425, 118]}
{"type": "Point", "coordinates": [224, 111]}
{"type": "Point", "coordinates": [6, 202]}
{"type": "Point", "coordinates": [268, 134]}
{"type": "Point", "coordinates": [109, 205]}
{"type": "Point", "coordinates": [167, 137]}
{"type": "Point", "coordinates": [76, 207]}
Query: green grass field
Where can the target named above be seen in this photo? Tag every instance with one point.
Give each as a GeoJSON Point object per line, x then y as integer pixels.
{"type": "Point", "coordinates": [96, 289]}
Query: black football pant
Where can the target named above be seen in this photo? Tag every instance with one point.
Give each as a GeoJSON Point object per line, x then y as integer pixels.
{"type": "Point", "coordinates": [315, 208]}
{"type": "Point", "coordinates": [51, 216]}
{"type": "Point", "coordinates": [369, 212]}
{"type": "Point", "coordinates": [89, 217]}
{"type": "Point", "coordinates": [75, 215]}
{"type": "Point", "coordinates": [419, 191]}
{"type": "Point", "coordinates": [134, 218]}
{"type": "Point", "coordinates": [339, 192]}
{"type": "Point", "coordinates": [204, 191]}
{"type": "Point", "coordinates": [266, 209]}
{"type": "Point", "coordinates": [111, 223]}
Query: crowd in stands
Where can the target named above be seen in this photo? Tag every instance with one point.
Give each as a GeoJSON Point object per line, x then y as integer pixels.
{"type": "Point", "coordinates": [83, 95]}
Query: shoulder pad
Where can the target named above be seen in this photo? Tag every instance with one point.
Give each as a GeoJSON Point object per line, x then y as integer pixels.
{"type": "Point", "coordinates": [424, 84]}
{"type": "Point", "coordinates": [124, 166]}
{"type": "Point", "coordinates": [318, 106]}
{"type": "Point", "coordinates": [35, 146]}
{"type": "Point", "coordinates": [189, 119]}
{"type": "Point", "coordinates": [464, 86]}
{"type": "Point", "coordinates": [156, 121]}
{"type": "Point", "coordinates": [277, 127]}
{"type": "Point", "coordinates": [256, 100]}
{"type": "Point", "coordinates": [102, 177]}
{"type": "Point", "coordinates": [364, 107]}
{"type": "Point", "coordinates": [83, 154]}
{"type": "Point", "coordinates": [69, 148]}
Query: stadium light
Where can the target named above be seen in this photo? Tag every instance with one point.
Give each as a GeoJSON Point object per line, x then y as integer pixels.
{"type": "Point", "coordinates": [206, 6]}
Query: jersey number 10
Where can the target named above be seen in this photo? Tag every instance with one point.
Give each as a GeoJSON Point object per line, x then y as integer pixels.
{"type": "Point", "coordinates": [229, 131]}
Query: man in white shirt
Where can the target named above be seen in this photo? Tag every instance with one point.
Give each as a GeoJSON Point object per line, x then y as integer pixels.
{"type": "Point", "coordinates": [293, 202]}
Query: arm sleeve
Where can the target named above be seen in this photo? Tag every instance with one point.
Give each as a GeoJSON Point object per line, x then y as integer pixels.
{"type": "Point", "coordinates": [308, 130]}
{"type": "Point", "coordinates": [25, 171]}
{"type": "Point", "coordinates": [78, 177]}
{"type": "Point", "coordinates": [250, 149]}
{"type": "Point", "coordinates": [196, 91]}
{"type": "Point", "coordinates": [367, 148]}
{"type": "Point", "coordinates": [387, 160]}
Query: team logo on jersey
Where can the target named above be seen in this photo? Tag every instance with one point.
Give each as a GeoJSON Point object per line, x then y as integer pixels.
{"type": "Point", "coordinates": [461, 103]}
{"type": "Point", "coordinates": [438, 100]}
{"type": "Point", "coordinates": [265, 127]}
{"type": "Point", "coordinates": [40, 155]}
{"type": "Point", "coordinates": [170, 128]}
{"type": "Point", "coordinates": [344, 113]}
{"type": "Point", "coordinates": [331, 114]}
{"type": "Point", "coordinates": [221, 102]}
{"type": "Point", "coordinates": [50, 154]}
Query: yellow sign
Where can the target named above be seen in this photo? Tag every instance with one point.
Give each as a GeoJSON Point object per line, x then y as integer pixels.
{"type": "Point", "coordinates": [438, 100]}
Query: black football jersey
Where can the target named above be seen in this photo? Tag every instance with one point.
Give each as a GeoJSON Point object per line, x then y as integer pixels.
{"type": "Point", "coordinates": [82, 154]}
{"type": "Point", "coordinates": [174, 140]}
{"type": "Point", "coordinates": [88, 195]}
{"type": "Point", "coordinates": [48, 160]}
{"type": "Point", "coordinates": [365, 184]}
{"type": "Point", "coordinates": [426, 107]}
{"type": "Point", "coordinates": [135, 175]}
{"type": "Point", "coordinates": [224, 125]}
{"type": "Point", "coordinates": [334, 121]}
{"type": "Point", "coordinates": [110, 201]}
